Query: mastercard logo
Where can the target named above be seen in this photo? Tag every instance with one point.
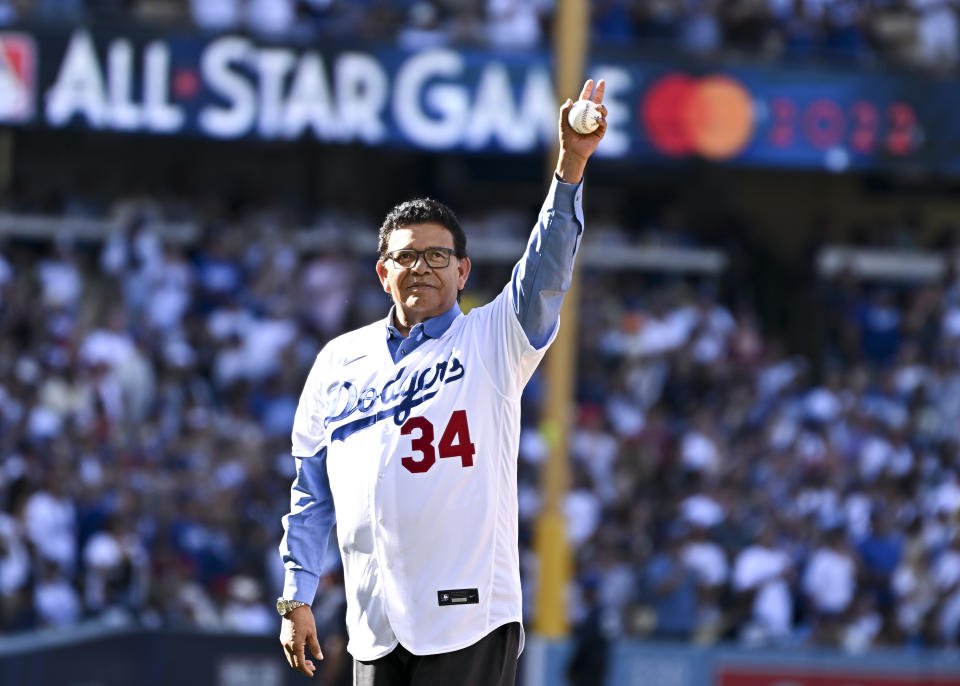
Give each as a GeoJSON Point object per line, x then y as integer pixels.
{"type": "Point", "coordinates": [711, 116]}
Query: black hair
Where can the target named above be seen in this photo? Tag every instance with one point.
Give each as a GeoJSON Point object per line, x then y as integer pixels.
{"type": "Point", "coordinates": [422, 211]}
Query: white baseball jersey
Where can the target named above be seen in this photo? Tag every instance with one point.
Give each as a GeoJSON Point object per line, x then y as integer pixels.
{"type": "Point", "coordinates": [421, 457]}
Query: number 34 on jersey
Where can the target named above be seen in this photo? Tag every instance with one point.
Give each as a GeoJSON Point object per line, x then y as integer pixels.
{"type": "Point", "coordinates": [454, 442]}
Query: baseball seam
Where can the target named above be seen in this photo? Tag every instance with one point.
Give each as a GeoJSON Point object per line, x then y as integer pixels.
{"type": "Point", "coordinates": [584, 117]}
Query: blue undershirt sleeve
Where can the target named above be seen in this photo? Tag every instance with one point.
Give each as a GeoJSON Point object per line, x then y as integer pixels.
{"type": "Point", "coordinates": [543, 274]}
{"type": "Point", "coordinates": [307, 528]}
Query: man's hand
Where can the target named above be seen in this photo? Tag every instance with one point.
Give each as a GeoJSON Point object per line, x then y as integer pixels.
{"type": "Point", "coordinates": [299, 629]}
{"type": "Point", "coordinates": [576, 148]}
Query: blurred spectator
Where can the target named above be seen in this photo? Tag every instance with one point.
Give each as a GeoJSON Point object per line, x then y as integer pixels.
{"type": "Point", "coordinates": [49, 519]}
{"type": "Point", "coordinates": [216, 15]}
{"type": "Point", "coordinates": [118, 558]}
{"type": "Point", "coordinates": [830, 582]}
{"type": "Point", "coordinates": [514, 23]}
{"type": "Point", "coordinates": [708, 561]}
{"type": "Point", "coordinates": [915, 593]}
{"type": "Point", "coordinates": [591, 647]}
{"type": "Point", "coordinates": [701, 32]}
{"type": "Point", "coordinates": [612, 21]}
{"type": "Point", "coordinates": [14, 565]}
{"type": "Point", "coordinates": [325, 291]}
{"type": "Point", "coordinates": [56, 602]}
{"type": "Point", "coordinates": [763, 572]}
{"type": "Point", "coordinates": [880, 553]}
{"type": "Point", "coordinates": [880, 322]}
{"type": "Point", "coordinates": [864, 627]}
{"type": "Point", "coordinates": [271, 17]}
{"type": "Point", "coordinates": [937, 33]}
{"type": "Point", "coordinates": [246, 610]}
{"type": "Point", "coordinates": [423, 29]}
{"type": "Point", "coordinates": [672, 589]}
{"type": "Point", "coordinates": [946, 577]}
{"type": "Point", "coordinates": [60, 282]}
{"type": "Point", "coordinates": [8, 12]}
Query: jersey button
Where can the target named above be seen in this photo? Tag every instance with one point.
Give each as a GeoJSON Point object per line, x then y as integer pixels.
{"type": "Point", "coordinates": [389, 565]}
{"type": "Point", "coordinates": [380, 476]}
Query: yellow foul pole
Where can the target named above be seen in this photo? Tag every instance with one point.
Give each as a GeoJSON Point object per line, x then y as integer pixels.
{"type": "Point", "coordinates": [553, 550]}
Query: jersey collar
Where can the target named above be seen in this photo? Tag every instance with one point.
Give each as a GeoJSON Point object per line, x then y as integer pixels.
{"type": "Point", "coordinates": [434, 327]}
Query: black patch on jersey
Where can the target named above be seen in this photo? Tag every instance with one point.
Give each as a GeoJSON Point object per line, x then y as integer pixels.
{"type": "Point", "coordinates": [459, 596]}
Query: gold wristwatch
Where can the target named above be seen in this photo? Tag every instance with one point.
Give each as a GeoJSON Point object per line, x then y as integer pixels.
{"type": "Point", "coordinates": [284, 606]}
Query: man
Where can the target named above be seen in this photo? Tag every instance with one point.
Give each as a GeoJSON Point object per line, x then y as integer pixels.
{"type": "Point", "coordinates": [429, 545]}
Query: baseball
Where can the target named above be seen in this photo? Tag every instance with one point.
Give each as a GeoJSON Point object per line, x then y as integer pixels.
{"type": "Point", "coordinates": [584, 116]}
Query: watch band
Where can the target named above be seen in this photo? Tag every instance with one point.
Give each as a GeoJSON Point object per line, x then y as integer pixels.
{"type": "Point", "coordinates": [284, 606]}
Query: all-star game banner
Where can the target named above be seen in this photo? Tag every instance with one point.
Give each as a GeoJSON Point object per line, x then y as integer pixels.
{"type": "Point", "coordinates": [233, 87]}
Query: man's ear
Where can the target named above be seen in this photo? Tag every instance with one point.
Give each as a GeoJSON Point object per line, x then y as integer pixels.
{"type": "Point", "coordinates": [463, 271]}
{"type": "Point", "coordinates": [382, 273]}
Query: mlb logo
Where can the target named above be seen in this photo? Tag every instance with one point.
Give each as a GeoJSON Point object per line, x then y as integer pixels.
{"type": "Point", "coordinates": [18, 62]}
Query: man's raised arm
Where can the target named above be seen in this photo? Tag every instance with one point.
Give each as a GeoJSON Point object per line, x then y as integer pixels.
{"type": "Point", "coordinates": [543, 274]}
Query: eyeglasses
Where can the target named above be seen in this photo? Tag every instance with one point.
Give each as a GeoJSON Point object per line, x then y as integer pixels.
{"type": "Point", "coordinates": [407, 258]}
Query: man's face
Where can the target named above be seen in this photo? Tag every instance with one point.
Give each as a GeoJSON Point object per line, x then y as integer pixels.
{"type": "Point", "coordinates": [422, 291]}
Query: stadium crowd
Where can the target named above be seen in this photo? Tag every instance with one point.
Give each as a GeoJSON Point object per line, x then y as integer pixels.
{"type": "Point", "coordinates": [722, 488]}
{"type": "Point", "coordinates": [916, 33]}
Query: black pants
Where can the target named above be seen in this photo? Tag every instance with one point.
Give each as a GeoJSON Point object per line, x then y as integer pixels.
{"type": "Point", "coordinates": [491, 661]}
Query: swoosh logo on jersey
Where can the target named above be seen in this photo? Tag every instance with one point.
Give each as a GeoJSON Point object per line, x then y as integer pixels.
{"type": "Point", "coordinates": [360, 357]}
{"type": "Point", "coordinates": [409, 387]}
